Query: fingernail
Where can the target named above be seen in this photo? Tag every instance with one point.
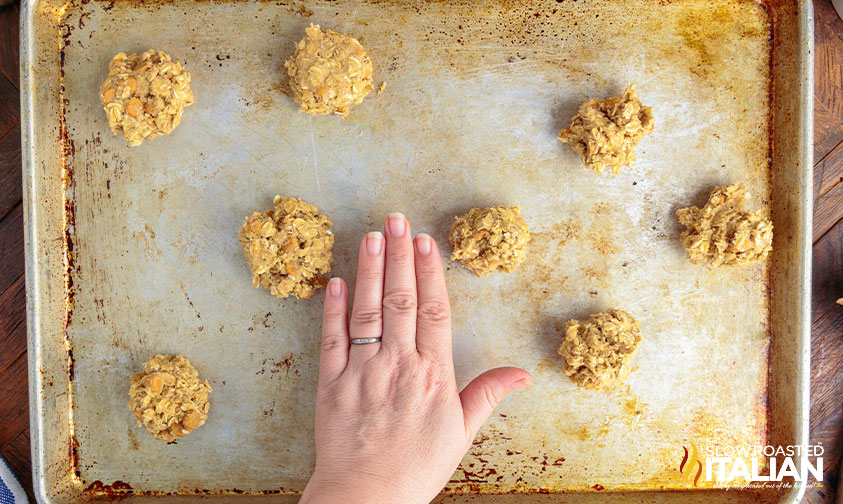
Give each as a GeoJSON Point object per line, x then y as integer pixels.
{"type": "Point", "coordinates": [520, 384]}
{"type": "Point", "coordinates": [374, 243]}
{"type": "Point", "coordinates": [397, 224]}
{"type": "Point", "coordinates": [423, 243]}
{"type": "Point", "coordinates": [335, 287]}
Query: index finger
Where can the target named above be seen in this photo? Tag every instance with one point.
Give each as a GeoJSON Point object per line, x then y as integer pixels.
{"type": "Point", "coordinates": [433, 321]}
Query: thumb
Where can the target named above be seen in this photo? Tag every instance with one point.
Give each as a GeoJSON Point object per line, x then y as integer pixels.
{"type": "Point", "coordinates": [481, 396]}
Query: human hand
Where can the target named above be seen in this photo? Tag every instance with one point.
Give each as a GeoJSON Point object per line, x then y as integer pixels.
{"type": "Point", "coordinates": [391, 426]}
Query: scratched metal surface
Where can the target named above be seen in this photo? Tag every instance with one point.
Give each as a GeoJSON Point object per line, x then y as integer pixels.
{"type": "Point", "coordinates": [475, 97]}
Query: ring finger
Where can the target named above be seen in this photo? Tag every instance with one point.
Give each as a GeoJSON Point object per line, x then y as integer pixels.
{"type": "Point", "coordinates": [367, 310]}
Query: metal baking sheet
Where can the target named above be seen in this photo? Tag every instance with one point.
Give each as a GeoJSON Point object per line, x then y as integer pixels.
{"type": "Point", "coordinates": [133, 251]}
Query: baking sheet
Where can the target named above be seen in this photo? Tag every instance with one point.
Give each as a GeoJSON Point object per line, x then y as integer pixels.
{"type": "Point", "coordinates": [475, 96]}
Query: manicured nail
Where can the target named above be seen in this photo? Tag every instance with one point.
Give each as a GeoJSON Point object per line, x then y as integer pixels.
{"type": "Point", "coordinates": [374, 243]}
{"type": "Point", "coordinates": [519, 384]}
{"type": "Point", "coordinates": [335, 287]}
{"type": "Point", "coordinates": [397, 224]}
{"type": "Point", "coordinates": [424, 243]}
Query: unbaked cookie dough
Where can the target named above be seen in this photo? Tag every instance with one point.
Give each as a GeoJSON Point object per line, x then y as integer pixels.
{"type": "Point", "coordinates": [168, 398]}
{"type": "Point", "coordinates": [596, 353]}
{"type": "Point", "coordinates": [288, 248]}
{"type": "Point", "coordinates": [723, 232]}
{"type": "Point", "coordinates": [490, 240]}
{"type": "Point", "coordinates": [328, 72]}
{"type": "Point", "coordinates": [144, 95]}
{"type": "Point", "coordinates": [605, 132]}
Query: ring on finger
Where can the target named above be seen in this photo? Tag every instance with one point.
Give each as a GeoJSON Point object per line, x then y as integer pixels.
{"type": "Point", "coordinates": [365, 341]}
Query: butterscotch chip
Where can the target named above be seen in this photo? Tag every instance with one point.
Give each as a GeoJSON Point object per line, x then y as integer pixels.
{"type": "Point", "coordinates": [329, 72]}
{"type": "Point", "coordinates": [288, 248]}
{"type": "Point", "coordinates": [490, 240]}
{"type": "Point", "coordinates": [144, 95]}
{"type": "Point", "coordinates": [167, 397]}
{"type": "Point", "coordinates": [596, 352]}
{"type": "Point", "coordinates": [605, 132]}
{"type": "Point", "coordinates": [723, 232]}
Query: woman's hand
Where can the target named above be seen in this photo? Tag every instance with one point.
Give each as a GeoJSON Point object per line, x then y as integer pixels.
{"type": "Point", "coordinates": [391, 426]}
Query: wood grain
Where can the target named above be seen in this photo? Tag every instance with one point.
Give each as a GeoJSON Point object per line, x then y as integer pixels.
{"type": "Point", "coordinates": [9, 106]}
{"type": "Point", "coordinates": [9, 45]}
{"type": "Point", "coordinates": [12, 323]}
{"type": "Point", "coordinates": [828, 79]}
{"type": "Point", "coordinates": [10, 171]}
{"type": "Point", "coordinates": [828, 210]}
{"type": "Point", "coordinates": [14, 415]}
{"type": "Point", "coordinates": [17, 455]}
{"type": "Point", "coordinates": [11, 248]}
{"type": "Point", "coordinates": [826, 359]}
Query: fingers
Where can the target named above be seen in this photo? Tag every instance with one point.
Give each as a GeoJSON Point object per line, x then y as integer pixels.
{"type": "Point", "coordinates": [367, 312]}
{"type": "Point", "coordinates": [334, 355]}
{"type": "Point", "coordinates": [433, 318]}
{"type": "Point", "coordinates": [481, 396]}
{"type": "Point", "coordinates": [399, 295]}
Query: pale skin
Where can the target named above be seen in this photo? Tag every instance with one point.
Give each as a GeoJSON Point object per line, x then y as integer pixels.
{"type": "Point", "coordinates": [391, 424]}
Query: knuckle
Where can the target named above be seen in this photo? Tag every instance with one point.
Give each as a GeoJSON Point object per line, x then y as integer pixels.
{"type": "Point", "coordinates": [366, 317]}
{"type": "Point", "coordinates": [331, 342]}
{"type": "Point", "coordinates": [400, 257]}
{"type": "Point", "coordinates": [435, 378]}
{"type": "Point", "coordinates": [400, 301]}
{"type": "Point", "coordinates": [437, 312]}
{"type": "Point", "coordinates": [428, 268]}
{"type": "Point", "coordinates": [493, 395]}
{"type": "Point", "coordinates": [329, 314]}
{"type": "Point", "coordinates": [333, 309]}
{"type": "Point", "coordinates": [370, 274]}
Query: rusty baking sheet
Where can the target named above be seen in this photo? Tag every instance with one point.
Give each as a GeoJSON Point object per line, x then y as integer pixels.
{"type": "Point", "coordinates": [133, 251]}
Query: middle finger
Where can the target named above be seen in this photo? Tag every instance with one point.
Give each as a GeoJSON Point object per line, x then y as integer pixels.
{"type": "Point", "coordinates": [399, 291]}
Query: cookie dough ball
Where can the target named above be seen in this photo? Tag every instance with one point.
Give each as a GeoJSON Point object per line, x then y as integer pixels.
{"type": "Point", "coordinates": [288, 248]}
{"type": "Point", "coordinates": [168, 398]}
{"type": "Point", "coordinates": [490, 239]}
{"type": "Point", "coordinates": [328, 72]}
{"type": "Point", "coordinates": [605, 132]}
{"type": "Point", "coordinates": [723, 232]}
{"type": "Point", "coordinates": [597, 352]}
{"type": "Point", "coordinates": [144, 95]}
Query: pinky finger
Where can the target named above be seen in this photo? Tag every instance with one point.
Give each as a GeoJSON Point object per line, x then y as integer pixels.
{"type": "Point", "coordinates": [334, 355]}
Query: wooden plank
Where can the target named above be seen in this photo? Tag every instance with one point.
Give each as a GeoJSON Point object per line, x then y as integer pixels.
{"type": "Point", "coordinates": [828, 211]}
{"type": "Point", "coordinates": [12, 323]}
{"type": "Point", "coordinates": [14, 396]}
{"type": "Point", "coordinates": [9, 45]}
{"type": "Point", "coordinates": [828, 189]}
{"type": "Point", "coordinates": [18, 456]}
{"type": "Point", "coordinates": [9, 106]}
{"type": "Point", "coordinates": [14, 414]}
{"type": "Point", "coordinates": [828, 80]}
{"type": "Point", "coordinates": [11, 247]}
{"type": "Point", "coordinates": [826, 424]}
{"type": "Point", "coordinates": [10, 171]}
{"type": "Point", "coordinates": [828, 172]}
{"type": "Point", "coordinates": [827, 275]}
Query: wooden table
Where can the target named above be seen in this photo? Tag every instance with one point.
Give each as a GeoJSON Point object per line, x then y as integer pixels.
{"type": "Point", "coordinates": [827, 330]}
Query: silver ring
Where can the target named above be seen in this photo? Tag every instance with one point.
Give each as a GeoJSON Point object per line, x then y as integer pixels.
{"type": "Point", "coordinates": [364, 341]}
